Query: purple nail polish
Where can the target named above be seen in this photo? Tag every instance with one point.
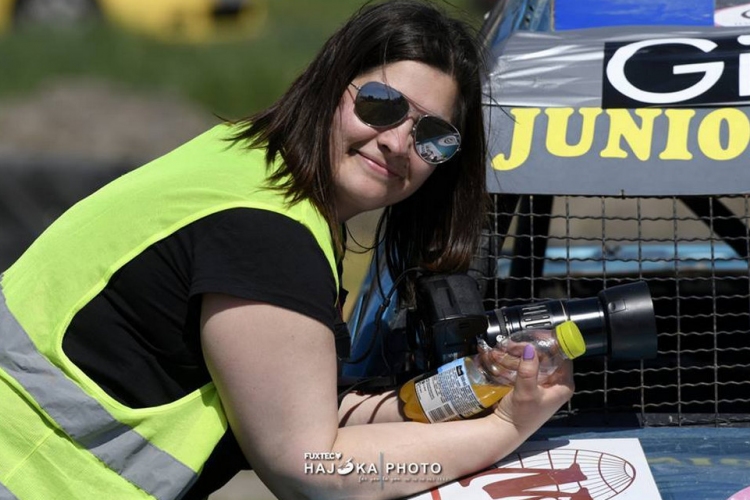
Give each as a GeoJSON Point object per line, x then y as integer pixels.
{"type": "Point", "coordinates": [528, 352]}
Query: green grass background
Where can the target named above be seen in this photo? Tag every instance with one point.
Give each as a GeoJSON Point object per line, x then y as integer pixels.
{"type": "Point", "coordinates": [230, 79]}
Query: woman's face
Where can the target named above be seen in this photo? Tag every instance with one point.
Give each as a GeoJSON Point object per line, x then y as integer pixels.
{"type": "Point", "coordinates": [377, 167]}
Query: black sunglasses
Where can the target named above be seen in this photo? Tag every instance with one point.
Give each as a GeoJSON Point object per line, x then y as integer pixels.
{"type": "Point", "coordinates": [378, 105]}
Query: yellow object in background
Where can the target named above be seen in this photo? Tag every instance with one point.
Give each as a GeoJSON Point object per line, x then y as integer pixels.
{"type": "Point", "coordinates": [179, 21]}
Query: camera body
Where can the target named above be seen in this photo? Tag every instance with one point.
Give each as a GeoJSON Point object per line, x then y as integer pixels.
{"type": "Point", "coordinates": [618, 323]}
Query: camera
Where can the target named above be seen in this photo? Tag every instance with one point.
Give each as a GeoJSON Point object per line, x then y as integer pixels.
{"type": "Point", "coordinates": [618, 323]}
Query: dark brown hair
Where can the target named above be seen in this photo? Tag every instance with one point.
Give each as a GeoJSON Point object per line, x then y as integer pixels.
{"type": "Point", "coordinates": [438, 227]}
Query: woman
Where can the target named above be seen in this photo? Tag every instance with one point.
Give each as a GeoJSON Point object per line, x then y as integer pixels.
{"type": "Point", "coordinates": [177, 324]}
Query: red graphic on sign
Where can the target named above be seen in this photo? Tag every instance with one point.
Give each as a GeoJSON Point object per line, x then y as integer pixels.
{"type": "Point", "coordinates": [564, 474]}
{"type": "Point", "coordinates": [526, 482]}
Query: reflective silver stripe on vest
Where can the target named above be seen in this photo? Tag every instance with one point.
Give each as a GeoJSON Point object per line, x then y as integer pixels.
{"type": "Point", "coordinates": [5, 494]}
{"type": "Point", "coordinates": [85, 420]}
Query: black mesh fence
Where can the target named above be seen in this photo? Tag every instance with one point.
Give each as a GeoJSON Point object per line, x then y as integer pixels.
{"type": "Point", "coordinates": [692, 252]}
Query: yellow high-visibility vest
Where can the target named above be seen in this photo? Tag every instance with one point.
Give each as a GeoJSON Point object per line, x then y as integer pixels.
{"type": "Point", "coordinates": [61, 436]}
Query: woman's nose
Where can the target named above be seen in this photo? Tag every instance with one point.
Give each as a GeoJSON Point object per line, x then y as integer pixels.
{"type": "Point", "coordinates": [397, 139]}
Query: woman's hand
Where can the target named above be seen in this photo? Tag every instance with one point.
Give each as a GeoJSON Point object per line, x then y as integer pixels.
{"type": "Point", "coordinates": [529, 405]}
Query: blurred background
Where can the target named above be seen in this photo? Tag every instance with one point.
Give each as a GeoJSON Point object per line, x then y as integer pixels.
{"type": "Point", "coordinates": [94, 88]}
{"type": "Point", "coordinates": [91, 89]}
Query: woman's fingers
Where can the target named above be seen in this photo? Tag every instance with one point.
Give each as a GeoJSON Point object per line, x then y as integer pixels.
{"type": "Point", "coordinates": [530, 404]}
{"type": "Point", "coordinates": [528, 374]}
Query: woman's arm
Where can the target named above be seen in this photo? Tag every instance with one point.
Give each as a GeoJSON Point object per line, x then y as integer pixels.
{"type": "Point", "coordinates": [357, 409]}
{"type": "Point", "coordinates": [276, 373]}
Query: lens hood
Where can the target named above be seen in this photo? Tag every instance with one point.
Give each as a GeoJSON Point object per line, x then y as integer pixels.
{"type": "Point", "coordinates": [629, 313]}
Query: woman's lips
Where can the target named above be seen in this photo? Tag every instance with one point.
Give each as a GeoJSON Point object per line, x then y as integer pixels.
{"type": "Point", "coordinates": [380, 167]}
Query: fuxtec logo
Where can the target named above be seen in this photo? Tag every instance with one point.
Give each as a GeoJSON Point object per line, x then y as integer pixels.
{"type": "Point", "coordinates": [680, 71]}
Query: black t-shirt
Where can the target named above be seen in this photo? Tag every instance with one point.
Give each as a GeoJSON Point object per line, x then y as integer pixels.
{"type": "Point", "coordinates": [139, 339]}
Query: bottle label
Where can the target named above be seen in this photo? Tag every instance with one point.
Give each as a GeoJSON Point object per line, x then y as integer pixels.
{"type": "Point", "coordinates": [447, 394]}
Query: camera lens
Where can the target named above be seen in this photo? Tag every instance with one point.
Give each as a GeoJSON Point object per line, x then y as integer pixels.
{"type": "Point", "coordinates": [619, 322]}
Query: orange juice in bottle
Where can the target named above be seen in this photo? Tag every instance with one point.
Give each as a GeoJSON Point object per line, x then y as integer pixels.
{"type": "Point", "coordinates": [467, 386]}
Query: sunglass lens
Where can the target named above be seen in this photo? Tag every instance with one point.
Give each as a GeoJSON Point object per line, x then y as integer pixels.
{"type": "Point", "coordinates": [379, 105]}
{"type": "Point", "coordinates": [436, 140]}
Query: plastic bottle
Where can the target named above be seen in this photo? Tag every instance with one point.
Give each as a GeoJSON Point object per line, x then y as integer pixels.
{"type": "Point", "coordinates": [467, 386]}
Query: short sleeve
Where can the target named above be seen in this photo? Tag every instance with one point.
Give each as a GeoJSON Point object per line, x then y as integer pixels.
{"type": "Point", "coordinates": [263, 256]}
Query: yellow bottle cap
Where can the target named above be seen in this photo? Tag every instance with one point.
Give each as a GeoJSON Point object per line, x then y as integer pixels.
{"type": "Point", "coordinates": [570, 339]}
